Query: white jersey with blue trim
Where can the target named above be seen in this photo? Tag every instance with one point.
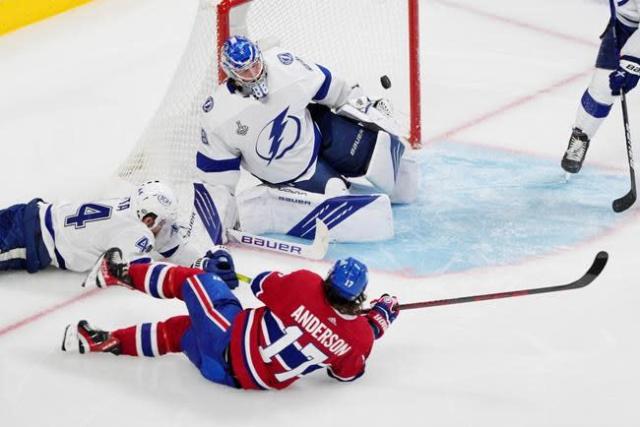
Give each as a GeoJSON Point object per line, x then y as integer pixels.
{"type": "Point", "coordinates": [273, 138]}
{"type": "Point", "coordinates": [76, 234]}
{"type": "Point", "coordinates": [628, 12]}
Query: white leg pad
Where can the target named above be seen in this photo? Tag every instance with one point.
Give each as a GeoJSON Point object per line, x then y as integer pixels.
{"type": "Point", "coordinates": [408, 181]}
{"type": "Point", "coordinates": [211, 210]}
{"type": "Point", "coordinates": [385, 163]}
{"type": "Point", "coordinates": [350, 218]}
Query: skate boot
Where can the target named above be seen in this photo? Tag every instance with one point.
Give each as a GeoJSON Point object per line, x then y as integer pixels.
{"type": "Point", "coordinates": [576, 151]}
{"type": "Point", "coordinates": [110, 269]}
{"type": "Point", "coordinates": [84, 339]}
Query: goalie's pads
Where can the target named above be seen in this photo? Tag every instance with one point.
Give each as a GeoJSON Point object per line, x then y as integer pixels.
{"type": "Point", "coordinates": [350, 218]}
{"type": "Point", "coordinates": [385, 162]}
{"type": "Point", "coordinates": [203, 225]}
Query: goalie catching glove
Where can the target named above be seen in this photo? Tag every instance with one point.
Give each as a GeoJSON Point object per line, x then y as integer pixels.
{"type": "Point", "coordinates": [382, 314]}
{"type": "Point", "coordinates": [220, 263]}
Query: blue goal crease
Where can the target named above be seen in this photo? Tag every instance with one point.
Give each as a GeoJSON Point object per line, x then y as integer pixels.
{"type": "Point", "coordinates": [480, 207]}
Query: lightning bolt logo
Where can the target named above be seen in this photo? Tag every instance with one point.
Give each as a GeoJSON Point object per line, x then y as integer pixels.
{"type": "Point", "coordinates": [275, 136]}
{"type": "Point", "coordinates": [278, 136]}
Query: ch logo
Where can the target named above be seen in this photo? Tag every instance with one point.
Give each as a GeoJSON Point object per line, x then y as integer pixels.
{"type": "Point", "coordinates": [242, 129]}
{"type": "Point", "coordinates": [278, 136]}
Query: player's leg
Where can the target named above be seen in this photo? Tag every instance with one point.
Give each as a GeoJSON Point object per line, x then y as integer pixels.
{"type": "Point", "coordinates": [21, 244]}
{"type": "Point", "coordinates": [158, 279]}
{"type": "Point", "coordinates": [368, 153]}
{"type": "Point", "coordinates": [212, 309]}
{"type": "Point", "coordinates": [597, 99]}
{"type": "Point", "coordinates": [146, 339]}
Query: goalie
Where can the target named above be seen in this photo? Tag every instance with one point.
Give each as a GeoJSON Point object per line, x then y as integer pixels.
{"type": "Point", "coordinates": [274, 115]}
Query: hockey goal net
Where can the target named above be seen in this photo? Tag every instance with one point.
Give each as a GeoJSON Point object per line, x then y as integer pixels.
{"type": "Point", "coordinates": [360, 40]}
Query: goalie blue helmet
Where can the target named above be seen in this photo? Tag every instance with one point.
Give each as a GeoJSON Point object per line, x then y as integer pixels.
{"type": "Point", "coordinates": [241, 60]}
{"type": "Point", "coordinates": [348, 278]}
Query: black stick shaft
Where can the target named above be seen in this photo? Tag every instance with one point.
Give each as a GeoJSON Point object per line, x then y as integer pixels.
{"type": "Point", "coordinates": [596, 268]}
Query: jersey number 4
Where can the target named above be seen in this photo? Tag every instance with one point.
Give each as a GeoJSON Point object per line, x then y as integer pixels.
{"type": "Point", "coordinates": [88, 212]}
{"type": "Point", "coordinates": [312, 355]}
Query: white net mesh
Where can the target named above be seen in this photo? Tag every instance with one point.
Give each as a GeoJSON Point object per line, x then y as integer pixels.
{"type": "Point", "coordinates": [360, 40]}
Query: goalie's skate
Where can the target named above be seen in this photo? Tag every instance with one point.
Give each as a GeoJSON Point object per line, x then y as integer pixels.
{"type": "Point", "coordinates": [84, 339]}
{"type": "Point", "coordinates": [110, 269]}
{"type": "Point", "coordinates": [576, 151]}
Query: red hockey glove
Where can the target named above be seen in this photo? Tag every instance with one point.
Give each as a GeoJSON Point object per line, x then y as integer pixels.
{"type": "Point", "coordinates": [382, 314]}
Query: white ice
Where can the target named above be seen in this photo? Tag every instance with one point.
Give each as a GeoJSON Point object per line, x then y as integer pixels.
{"type": "Point", "coordinates": [75, 94]}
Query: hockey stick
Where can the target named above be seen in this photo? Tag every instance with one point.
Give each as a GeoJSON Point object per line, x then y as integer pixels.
{"type": "Point", "coordinates": [624, 202]}
{"type": "Point", "coordinates": [316, 250]}
{"type": "Point", "coordinates": [594, 271]}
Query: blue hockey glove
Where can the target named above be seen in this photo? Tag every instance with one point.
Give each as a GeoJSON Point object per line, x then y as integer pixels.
{"type": "Point", "coordinates": [219, 262]}
{"type": "Point", "coordinates": [382, 314]}
{"type": "Point", "coordinates": [626, 76]}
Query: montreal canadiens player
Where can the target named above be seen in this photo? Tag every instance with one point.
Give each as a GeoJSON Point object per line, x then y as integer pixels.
{"type": "Point", "coordinates": [617, 70]}
{"type": "Point", "coordinates": [274, 115]}
{"type": "Point", "coordinates": [306, 323]}
{"type": "Point", "coordinates": [72, 236]}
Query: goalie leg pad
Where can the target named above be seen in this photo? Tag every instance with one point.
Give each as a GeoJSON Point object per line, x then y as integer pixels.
{"type": "Point", "coordinates": [385, 162]}
{"type": "Point", "coordinates": [213, 211]}
{"type": "Point", "coordinates": [287, 210]}
{"type": "Point", "coordinates": [408, 181]}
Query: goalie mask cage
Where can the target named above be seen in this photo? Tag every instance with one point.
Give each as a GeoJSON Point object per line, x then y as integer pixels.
{"type": "Point", "coordinates": [360, 40]}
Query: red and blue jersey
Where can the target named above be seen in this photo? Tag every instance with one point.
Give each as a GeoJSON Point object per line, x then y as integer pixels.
{"type": "Point", "coordinates": [295, 333]}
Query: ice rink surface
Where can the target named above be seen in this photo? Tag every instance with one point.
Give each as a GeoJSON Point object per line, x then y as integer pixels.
{"type": "Point", "coordinates": [501, 81]}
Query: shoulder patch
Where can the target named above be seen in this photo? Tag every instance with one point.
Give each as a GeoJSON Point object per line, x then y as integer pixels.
{"type": "Point", "coordinates": [208, 105]}
{"type": "Point", "coordinates": [286, 58]}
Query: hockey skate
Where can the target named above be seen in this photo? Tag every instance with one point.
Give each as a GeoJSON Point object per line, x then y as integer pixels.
{"type": "Point", "coordinates": [576, 151]}
{"type": "Point", "coordinates": [85, 339]}
{"type": "Point", "coordinates": [110, 269]}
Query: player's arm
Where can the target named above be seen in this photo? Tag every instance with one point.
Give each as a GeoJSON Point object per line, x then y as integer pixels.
{"type": "Point", "coordinates": [270, 286]}
{"type": "Point", "coordinates": [349, 369]}
{"type": "Point", "coordinates": [217, 162]}
{"type": "Point", "coordinates": [332, 90]}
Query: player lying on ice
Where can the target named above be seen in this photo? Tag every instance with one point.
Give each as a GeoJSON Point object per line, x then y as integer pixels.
{"type": "Point", "coordinates": [71, 236]}
{"type": "Point", "coordinates": [306, 323]}
{"type": "Point", "coordinates": [301, 130]}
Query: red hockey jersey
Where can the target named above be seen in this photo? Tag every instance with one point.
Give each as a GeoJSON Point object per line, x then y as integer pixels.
{"type": "Point", "coordinates": [295, 333]}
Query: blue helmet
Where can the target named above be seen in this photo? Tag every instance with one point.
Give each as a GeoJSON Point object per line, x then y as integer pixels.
{"type": "Point", "coordinates": [241, 59]}
{"type": "Point", "coordinates": [348, 278]}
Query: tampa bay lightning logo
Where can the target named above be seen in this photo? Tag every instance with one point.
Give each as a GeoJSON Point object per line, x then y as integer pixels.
{"type": "Point", "coordinates": [278, 136]}
{"type": "Point", "coordinates": [208, 105]}
{"type": "Point", "coordinates": [286, 58]}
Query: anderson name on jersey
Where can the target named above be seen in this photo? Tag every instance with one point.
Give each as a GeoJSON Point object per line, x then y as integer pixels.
{"type": "Point", "coordinates": [273, 138]}
{"type": "Point", "coordinates": [296, 333]}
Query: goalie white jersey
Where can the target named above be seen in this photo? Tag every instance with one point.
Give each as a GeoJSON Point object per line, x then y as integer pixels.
{"type": "Point", "coordinates": [273, 138]}
{"type": "Point", "coordinates": [76, 234]}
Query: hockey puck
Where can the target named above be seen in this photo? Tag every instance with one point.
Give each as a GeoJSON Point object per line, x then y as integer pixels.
{"type": "Point", "coordinates": [385, 82]}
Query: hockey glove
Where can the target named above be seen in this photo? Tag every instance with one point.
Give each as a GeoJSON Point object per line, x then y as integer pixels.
{"type": "Point", "coordinates": [219, 262]}
{"type": "Point", "coordinates": [626, 76]}
{"type": "Point", "coordinates": [382, 314]}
